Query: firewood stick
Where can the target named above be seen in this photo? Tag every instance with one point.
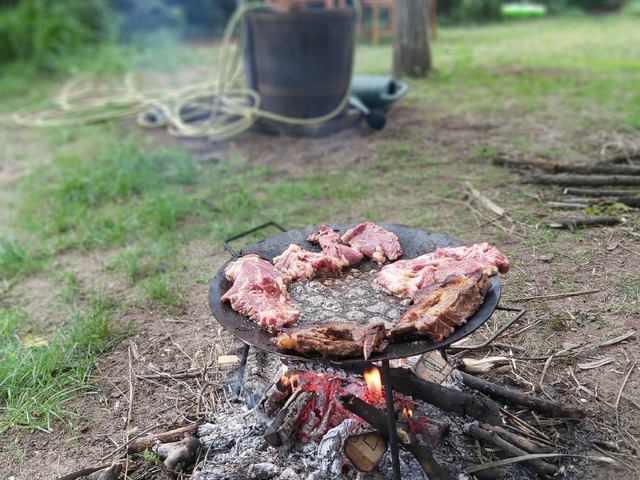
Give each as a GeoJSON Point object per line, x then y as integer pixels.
{"type": "Point", "coordinates": [573, 223]}
{"type": "Point", "coordinates": [597, 192]}
{"type": "Point", "coordinates": [517, 440]}
{"type": "Point", "coordinates": [378, 419]}
{"type": "Point", "coordinates": [447, 399]}
{"type": "Point", "coordinates": [582, 180]}
{"type": "Point", "coordinates": [548, 407]}
{"type": "Point", "coordinates": [473, 429]}
{"type": "Point", "coordinates": [142, 443]}
{"type": "Point", "coordinates": [109, 472]}
{"type": "Point", "coordinates": [597, 169]}
{"type": "Point", "coordinates": [484, 201]}
{"type": "Point", "coordinates": [622, 158]}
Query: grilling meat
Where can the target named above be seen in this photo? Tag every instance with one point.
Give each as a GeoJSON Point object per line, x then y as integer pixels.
{"type": "Point", "coordinates": [405, 277]}
{"type": "Point", "coordinates": [334, 340]}
{"type": "Point", "coordinates": [333, 246]}
{"type": "Point", "coordinates": [439, 308]}
{"type": "Point", "coordinates": [374, 241]}
{"type": "Point", "coordinates": [260, 293]}
{"type": "Point", "coordinates": [295, 263]}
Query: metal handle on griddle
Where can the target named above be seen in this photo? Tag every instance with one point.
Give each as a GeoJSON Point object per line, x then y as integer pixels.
{"type": "Point", "coordinates": [521, 311]}
{"type": "Point", "coordinates": [235, 254]}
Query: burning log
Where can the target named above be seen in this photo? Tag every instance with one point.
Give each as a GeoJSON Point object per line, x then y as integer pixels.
{"type": "Point", "coordinates": [275, 397]}
{"type": "Point", "coordinates": [379, 420]}
{"type": "Point", "coordinates": [447, 399]}
{"type": "Point", "coordinates": [548, 407]}
{"type": "Point", "coordinates": [474, 429]}
{"type": "Point", "coordinates": [284, 425]}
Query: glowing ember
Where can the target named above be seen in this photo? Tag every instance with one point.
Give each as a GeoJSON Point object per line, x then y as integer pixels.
{"type": "Point", "coordinates": [374, 382]}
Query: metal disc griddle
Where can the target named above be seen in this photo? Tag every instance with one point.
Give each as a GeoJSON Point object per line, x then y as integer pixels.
{"type": "Point", "coordinates": [414, 241]}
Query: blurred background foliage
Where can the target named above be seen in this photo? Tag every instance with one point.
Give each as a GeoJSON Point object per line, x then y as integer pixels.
{"type": "Point", "coordinates": [39, 31]}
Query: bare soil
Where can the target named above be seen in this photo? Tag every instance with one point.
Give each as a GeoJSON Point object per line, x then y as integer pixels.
{"type": "Point", "coordinates": [166, 374]}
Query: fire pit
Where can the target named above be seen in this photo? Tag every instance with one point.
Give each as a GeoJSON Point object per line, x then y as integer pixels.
{"type": "Point", "coordinates": [415, 242]}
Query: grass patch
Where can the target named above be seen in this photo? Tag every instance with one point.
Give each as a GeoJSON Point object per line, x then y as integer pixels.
{"type": "Point", "coordinates": [37, 382]}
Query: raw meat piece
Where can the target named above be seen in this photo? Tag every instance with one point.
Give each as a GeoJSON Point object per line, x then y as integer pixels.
{"type": "Point", "coordinates": [374, 241]}
{"type": "Point", "coordinates": [483, 252]}
{"type": "Point", "coordinates": [333, 246]}
{"type": "Point", "coordinates": [334, 340]}
{"type": "Point", "coordinates": [259, 292]}
{"type": "Point", "coordinates": [295, 263]}
{"type": "Point", "coordinates": [439, 308]}
{"type": "Point", "coordinates": [405, 277]}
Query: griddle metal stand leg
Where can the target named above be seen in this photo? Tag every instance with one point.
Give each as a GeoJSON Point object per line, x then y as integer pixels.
{"type": "Point", "coordinates": [391, 415]}
{"type": "Point", "coordinates": [241, 369]}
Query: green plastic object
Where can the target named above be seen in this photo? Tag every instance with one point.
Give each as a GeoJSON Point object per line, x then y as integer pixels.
{"type": "Point", "coordinates": [378, 92]}
{"type": "Point", "coordinates": [523, 10]}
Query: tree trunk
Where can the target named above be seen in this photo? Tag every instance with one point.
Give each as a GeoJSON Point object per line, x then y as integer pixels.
{"type": "Point", "coordinates": [411, 51]}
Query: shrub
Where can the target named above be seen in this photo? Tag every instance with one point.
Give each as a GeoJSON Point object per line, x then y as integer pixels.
{"type": "Point", "coordinates": [39, 30]}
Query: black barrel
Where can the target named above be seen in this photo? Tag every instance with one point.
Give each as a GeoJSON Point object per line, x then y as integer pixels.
{"type": "Point", "coordinates": [301, 61]}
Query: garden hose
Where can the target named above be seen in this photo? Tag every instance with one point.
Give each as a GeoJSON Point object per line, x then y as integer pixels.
{"type": "Point", "coordinates": [219, 108]}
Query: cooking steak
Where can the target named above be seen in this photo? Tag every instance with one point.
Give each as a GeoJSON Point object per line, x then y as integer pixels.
{"type": "Point", "coordinates": [405, 277]}
{"type": "Point", "coordinates": [439, 308]}
{"type": "Point", "coordinates": [374, 241]}
{"type": "Point", "coordinates": [260, 293]}
{"type": "Point", "coordinates": [334, 340]}
{"type": "Point", "coordinates": [295, 263]}
{"type": "Point", "coordinates": [333, 246]}
{"type": "Point", "coordinates": [483, 252]}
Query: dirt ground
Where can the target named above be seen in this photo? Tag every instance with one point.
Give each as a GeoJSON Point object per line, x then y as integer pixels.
{"type": "Point", "coordinates": [167, 374]}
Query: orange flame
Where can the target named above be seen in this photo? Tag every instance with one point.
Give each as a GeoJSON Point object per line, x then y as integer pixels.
{"type": "Point", "coordinates": [407, 413]}
{"type": "Point", "coordinates": [374, 382]}
{"type": "Point", "coordinates": [284, 379]}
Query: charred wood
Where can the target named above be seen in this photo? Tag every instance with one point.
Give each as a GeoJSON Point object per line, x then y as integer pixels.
{"type": "Point", "coordinates": [275, 398]}
{"type": "Point", "coordinates": [517, 440]}
{"type": "Point", "coordinates": [379, 420]}
{"type": "Point", "coordinates": [103, 472]}
{"type": "Point", "coordinates": [575, 223]}
{"type": "Point", "coordinates": [140, 444]}
{"type": "Point", "coordinates": [474, 429]}
{"type": "Point", "coordinates": [490, 473]}
{"type": "Point", "coordinates": [582, 180]}
{"type": "Point", "coordinates": [542, 405]}
{"type": "Point", "coordinates": [284, 425]}
{"type": "Point", "coordinates": [447, 399]}
{"type": "Point", "coordinates": [180, 455]}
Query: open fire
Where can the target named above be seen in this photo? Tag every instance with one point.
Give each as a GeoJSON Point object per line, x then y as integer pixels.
{"type": "Point", "coordinates": [307, 406]}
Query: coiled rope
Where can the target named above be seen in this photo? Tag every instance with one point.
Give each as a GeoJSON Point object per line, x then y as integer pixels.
{"type": "Point", "coordinates": [218, 108]}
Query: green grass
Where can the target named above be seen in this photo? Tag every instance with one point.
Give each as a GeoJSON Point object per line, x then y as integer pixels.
{"type": "Point", "coordinates": [36, 382]}
{"type": "Point", "coordinates": [106, 190]}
